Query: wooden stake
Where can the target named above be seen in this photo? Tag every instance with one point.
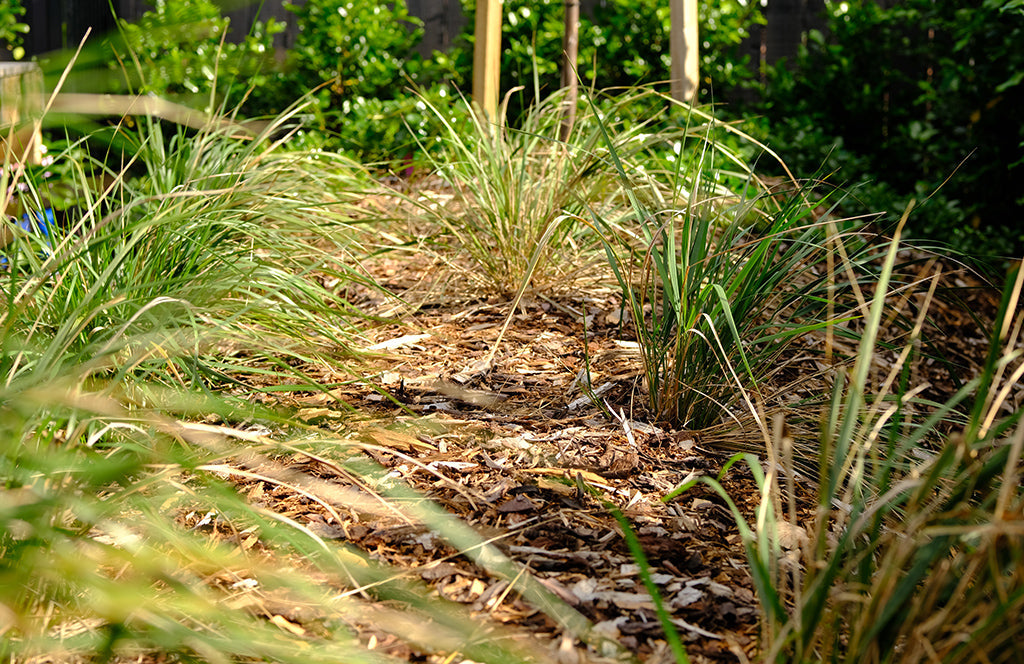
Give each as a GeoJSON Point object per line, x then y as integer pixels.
{"type": "Point", "coordinates": [570, 52]}
{"type": "Point", "coordinates": [684, 48]}
{"type": "Point", "coordinates": [487, 57]}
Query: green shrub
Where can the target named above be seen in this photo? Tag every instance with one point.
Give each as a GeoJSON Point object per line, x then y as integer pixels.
{"type": "Point", "coordinates": [924, 92]}
{"type": "Point", "coordinates": [400, 132]}
{"type": "Point", "coordinates": [358, 47]}
{"type": "Point", "coordinates": [357, 56]}
{"type": "Point", "coordinates": [179, 49]}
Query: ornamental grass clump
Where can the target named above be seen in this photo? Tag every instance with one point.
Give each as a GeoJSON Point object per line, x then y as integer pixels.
{"type": "Point", "coordinates": [913, 548]}
{"type": "Point", "coordinates": [916, 550]}
{"type": "Point", "coordinates": [514, 196]}
{"type": "Point", "coordinates": [222, 240]}
{"type": "Point", "coordinates": [718, 280]}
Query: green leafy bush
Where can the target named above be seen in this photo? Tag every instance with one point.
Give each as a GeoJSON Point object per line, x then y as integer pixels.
{"type": "Point", "coordinates": [179, 49]}
{"type": "Point", "coordinates": [11, 27]}
{"type": "Point", "coordinates": [917, 93]}
{"type": "Point", "coordinates": [357, 56]}
{"type": "Point", "coordinates": [358, 47]}
{"type": "Point", "coordinates": [400, 132]}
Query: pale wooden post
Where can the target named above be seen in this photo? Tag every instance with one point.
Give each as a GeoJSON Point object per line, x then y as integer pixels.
{"type": "Point", "coordinates": [684, 49]}
{"type": "Point", "coordinates": [21, 105]}
{"type": "Point", "coordinates": [570, 53]}
{"type": "Point", "coordinates": [487, 57]}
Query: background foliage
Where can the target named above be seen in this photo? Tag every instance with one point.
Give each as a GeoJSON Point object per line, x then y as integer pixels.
{"type": "Point", "coordinates": [907, 99]}
{"type": "Point", "coordinates": [355, 57]}
{"type": "Point", "coordinates": [179, 48]}
{"type": "Point", "coordinates": [12, 28]}
{"type": "Point", "coordinates": [910, 96]}
{"type": "Point", "coordinates": [916, 100]}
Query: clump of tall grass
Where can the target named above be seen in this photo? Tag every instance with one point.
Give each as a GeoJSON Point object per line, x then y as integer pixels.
{"type": "Point", "coordinates": [186, 264]}
{"type": "Point", "coordinates": [515, 195]}
{"type": "Point", "coordinates": [198, 270]}
{"type": "Point", "coordinates": [213, 235]}
{"type": "Point", "coordinates": [719, 276]}
{"type": "Point", "coordinates": [914, 548]}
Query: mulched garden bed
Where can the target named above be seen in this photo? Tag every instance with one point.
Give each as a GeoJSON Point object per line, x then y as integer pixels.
{"type": "Point", "coordinates": [524, 455]}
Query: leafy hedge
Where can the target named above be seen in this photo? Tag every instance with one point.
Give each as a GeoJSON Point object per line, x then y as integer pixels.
{"type": "Point", "coordinates": [921, 99]}
{"type": "Point", "coordinates": [354, 56]}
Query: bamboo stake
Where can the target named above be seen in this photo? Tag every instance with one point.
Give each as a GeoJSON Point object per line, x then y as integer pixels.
{"type": "Point", "coordinates": [121, 105]}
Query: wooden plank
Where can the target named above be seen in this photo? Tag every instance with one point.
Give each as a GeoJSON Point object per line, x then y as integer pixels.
{"type": "Point", "coordinates": [685, 47]}
{"type": "Point", "coordinates": [122, 105]}
{"type": "Point", "coordinates": [487, 57]}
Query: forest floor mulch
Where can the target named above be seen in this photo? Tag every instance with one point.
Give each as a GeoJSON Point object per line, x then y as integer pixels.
{"type": "Point", "coordinates": [524, 456]}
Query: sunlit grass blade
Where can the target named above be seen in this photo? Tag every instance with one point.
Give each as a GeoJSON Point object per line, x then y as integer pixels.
{"type": "Point", "coordinates": [128, 536]}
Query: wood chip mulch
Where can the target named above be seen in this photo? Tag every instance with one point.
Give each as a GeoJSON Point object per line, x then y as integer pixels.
{"type": "Point", "coordinates": [524, 456]}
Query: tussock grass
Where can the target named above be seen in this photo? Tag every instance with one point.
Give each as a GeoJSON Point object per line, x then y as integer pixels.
{"type": "Point", "coordinates": [913, 549]}
{"type": "Point", "coordinates": [515, 196]}
{"type": "Point", "coordinates": [175, 278]}
{"type": "Point", "coordinates": [719, 283]}
{"type": "Point", "coordinates": [221, 242]}
{"type": "Point", "coordinates": [196, 274]}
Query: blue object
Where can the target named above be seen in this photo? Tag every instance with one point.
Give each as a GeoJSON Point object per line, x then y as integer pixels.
{"type": "Point", "coordinates": [37, 223]}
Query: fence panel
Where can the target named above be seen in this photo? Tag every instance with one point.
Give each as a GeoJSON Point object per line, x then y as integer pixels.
{"type": "Point", "coordinates": [60, 24]}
